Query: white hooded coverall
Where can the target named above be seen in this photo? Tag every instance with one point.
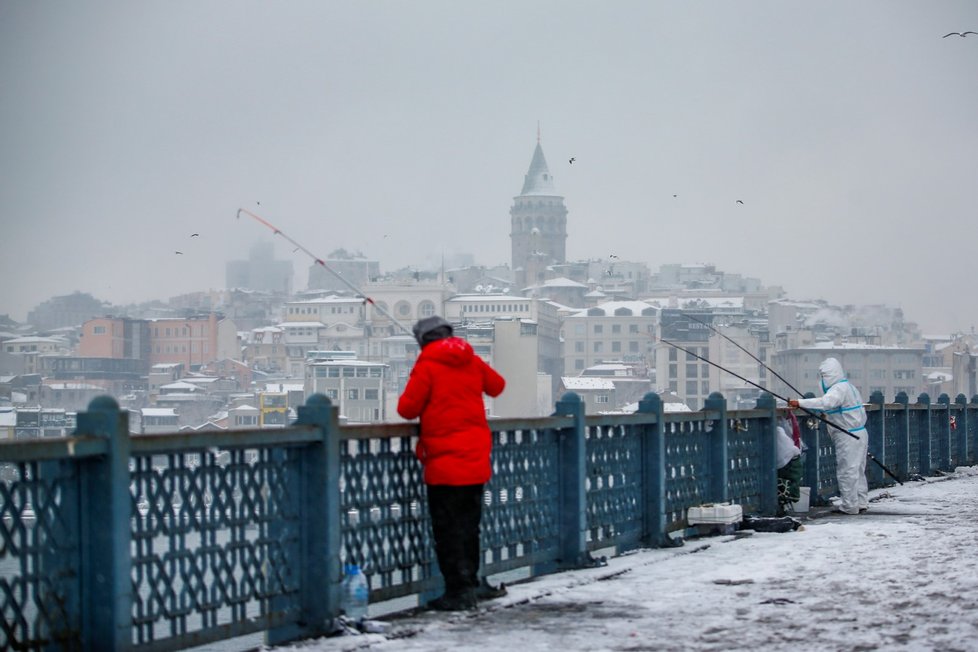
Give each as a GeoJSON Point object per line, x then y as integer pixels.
{"type": "Point", "coordinates": [843, 406]}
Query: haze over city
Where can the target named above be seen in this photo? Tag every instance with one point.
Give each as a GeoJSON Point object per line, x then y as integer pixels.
{"type": "Point", "coordinates": [824, 147]}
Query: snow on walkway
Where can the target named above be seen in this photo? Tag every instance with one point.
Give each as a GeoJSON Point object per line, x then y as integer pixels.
{"type": "Point", "coordinates": [904, 576]}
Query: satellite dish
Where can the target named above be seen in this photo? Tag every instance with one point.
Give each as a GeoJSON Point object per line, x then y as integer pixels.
{"type": "Point", "coordinates": [478, 288]}
{"type": "Point", "coordinates": [505, 290]}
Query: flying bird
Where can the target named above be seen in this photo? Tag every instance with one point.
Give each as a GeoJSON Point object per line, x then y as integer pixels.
{"type": "Point", "coordinates": [194, 235]}
{"type": "Point", "coordinates": [675, 195]}
{"type": "Point", "coordinates": [179, 253]}
{"type": "Point", "coordinates": [612, 256]}
{"type": "Point", "coordinates": [961, 34]}
{"type": "Point", "coordinates": [571, 161]}
{"type": "Point", "coordinates": [740, 201]}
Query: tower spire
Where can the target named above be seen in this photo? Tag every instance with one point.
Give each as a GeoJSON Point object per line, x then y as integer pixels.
{"type": "Point", "coordinates": [538, 132]}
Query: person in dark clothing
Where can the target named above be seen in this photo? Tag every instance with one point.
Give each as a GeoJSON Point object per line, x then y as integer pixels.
{"type": "Point", "coordinates": [445, 390]}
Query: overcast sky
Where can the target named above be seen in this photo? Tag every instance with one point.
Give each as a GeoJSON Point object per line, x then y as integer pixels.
{"type": "Point", "coordinates": [404, 129]}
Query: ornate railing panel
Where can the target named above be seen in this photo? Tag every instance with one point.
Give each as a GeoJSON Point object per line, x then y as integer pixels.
{"type": "Point", "coordinates": [167, 541]}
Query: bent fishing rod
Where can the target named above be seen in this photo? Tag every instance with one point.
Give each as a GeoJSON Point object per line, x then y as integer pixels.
{"type": "Point", "coordinates": [319, 261]}
{"type": "Point", "coordinates": [815, 415]}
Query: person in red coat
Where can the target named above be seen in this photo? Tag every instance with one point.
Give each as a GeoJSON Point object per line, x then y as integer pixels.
{"type": "Point", "coordinates": [445, 390]}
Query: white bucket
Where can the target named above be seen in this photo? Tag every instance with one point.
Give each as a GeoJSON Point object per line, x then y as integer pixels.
{"type": "Point", "coordinates": [803, 498]}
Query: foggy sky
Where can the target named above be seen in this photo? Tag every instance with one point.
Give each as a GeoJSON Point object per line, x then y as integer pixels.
{"type": "Point", "coordinates": [848, 129]}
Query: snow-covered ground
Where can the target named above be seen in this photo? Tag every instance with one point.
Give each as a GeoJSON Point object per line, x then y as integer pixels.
{"type": "Point", "coordinates": [904, 576]}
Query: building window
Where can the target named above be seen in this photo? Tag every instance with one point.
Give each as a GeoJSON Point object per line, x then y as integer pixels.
{"type": "Point", "coordinates": [633, 347]}
{"type": "Point", "coordinates": [353, 394]}
{"type": "Point", "coordinates": [578, 347]}
{"type": "Point", "coordinates": [578, 364]}
{"type": "Point", "coordinates": [616, 347]}
{"type": "Point", "coordinates": [691, 370]}
{"type": "Point", "coordinates": [371, 394]}
{"type": "Point", "coordinates": [402, 308]}
{"type": "Point", "coordinates": [99, 330]}
{"type": "Point", "coordinates": [633, 328]}
{"type": "Point", "coordinates": [616, 328]}
{"type": "Point", "coordinates": [598, 347]}
{"type": "Point", "coordinates": [426, 309]}
{"type": "Point", "coordinates": [332, 394]}
{"type": "Point", "coordinates": [598, 329]}
{"type": "Point", "coordinates": [691, 388]}
{"type": "Point", "coordinates": [601, 398]}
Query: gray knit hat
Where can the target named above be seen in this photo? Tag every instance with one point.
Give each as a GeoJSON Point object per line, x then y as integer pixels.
{"type": "Point", "coordinates": [430, 329]}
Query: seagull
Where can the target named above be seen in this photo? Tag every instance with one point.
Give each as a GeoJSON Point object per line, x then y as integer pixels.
{"type": "Point", "coordinates": [179, 253]}
{"type": "Point", "coordinates": [675, 195]}
{"type": "Point", "coordinates": [571, 161]}
{"type": "Point", "coordinates": [612, 256]}
{"type": "Point", "coordinates": [194, 235]}
{"type": "Point", "coordinates": [740, 201]}
{"type": "Point", "coordinates": [961, 34]}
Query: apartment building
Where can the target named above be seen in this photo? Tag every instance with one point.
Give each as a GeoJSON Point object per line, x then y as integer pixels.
{"type": "Point", "coordinates": [887, 369]}
{"type": "Point", "coordinates": [614, 330]}
{"type": "Point", "coordinates": [358, 388]}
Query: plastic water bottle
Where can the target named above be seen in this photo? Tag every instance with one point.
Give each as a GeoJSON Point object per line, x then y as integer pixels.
{"type": "Point", "coordinates": [356, 593]}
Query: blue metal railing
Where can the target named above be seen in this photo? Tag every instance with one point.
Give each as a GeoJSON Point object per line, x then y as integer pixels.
{"type": "Point", "coordinates": [161, 542]}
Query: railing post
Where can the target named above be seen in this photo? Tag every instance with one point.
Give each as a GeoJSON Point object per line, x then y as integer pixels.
{"type": "Point", "coordinates": [319, 539]}
{"type": "Point", "coordinates": [943, 428]}
{"type": "Point", "coordinates": [960, 433]}
{"type": "Point", "coordinates": [653, 471]}
{"type": "Point", "coordinates": [106, 537]}
{"type": "Point", "coordinates": [719, 466]}
{"type": "Point", "coordinates": [876, 428]}
{"type": "Point", "coordinates": [572, 492]}
{"type": "Point", "coordinates": [924, 435]}
{"type": "Point", "coordinates": [973, 430]}
{"type": "Point", "coordinates": [769, 454]}
{"type": "Point", "coordinates": [813, 456]}
{"type": "Point", "coordinates": [902, 437]}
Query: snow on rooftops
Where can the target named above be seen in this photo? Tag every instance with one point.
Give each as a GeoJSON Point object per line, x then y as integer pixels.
{"type": "Point", "coordinates": [586, 382]}
{"type": "Point", "coordinates": [830, 345]}
{"type": "Point", "coordinates": [284, 387]}
{"type": "Point", "coordinates": [158, 412]}
{"type": "Point", "coordinates": [333, 298]}
{"type": "Point", "coordinates": [180, 385]}
{"type": "Point", "coordinates": [69, 385]}
{"type": "Point", "coordinates": [559, 282]}
{"type": "Point", "coordinates": [302, 324]}
{"type": "Point", "coordinates": [617, 309]}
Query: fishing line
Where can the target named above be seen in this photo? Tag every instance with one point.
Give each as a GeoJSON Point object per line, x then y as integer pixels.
{"type": "Point", "coordinates": [810, 413]}
{"type": "Point", "coordinates": [322, 263]}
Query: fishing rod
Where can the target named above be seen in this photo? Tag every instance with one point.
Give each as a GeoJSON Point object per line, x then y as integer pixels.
{"type": "Point", "coordinates": [319, 261]}
{"type": "Point", "coordinates": [758, 360]}
{"type": "Point", "coordinates": [812, 414]}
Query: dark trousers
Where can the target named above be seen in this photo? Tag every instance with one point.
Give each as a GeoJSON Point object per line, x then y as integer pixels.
{"type": "Point", "coordinates": [455, 514]}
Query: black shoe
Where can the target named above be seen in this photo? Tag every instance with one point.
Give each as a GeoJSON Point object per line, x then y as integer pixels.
{"type": "Point", "coordinates": [460, 601]}
{"type": "Point", "coordinates": [486, 591]}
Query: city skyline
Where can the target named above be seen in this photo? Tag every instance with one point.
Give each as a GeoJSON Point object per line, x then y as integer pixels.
{"type": "Point", "coordinates": [834, 160]}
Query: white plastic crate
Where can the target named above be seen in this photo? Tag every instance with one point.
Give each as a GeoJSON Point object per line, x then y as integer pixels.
{"type": "Point", "coordinates": [715, 514]}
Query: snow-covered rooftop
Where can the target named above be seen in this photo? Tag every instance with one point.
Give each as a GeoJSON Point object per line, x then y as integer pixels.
{"type": "Point", "coordinates": [158, 412]}
{"type": "Point", "coordinates": [586, 382]}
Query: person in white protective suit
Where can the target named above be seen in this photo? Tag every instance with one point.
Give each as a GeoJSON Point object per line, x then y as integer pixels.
{"type": "Point", "coordinates": [842, 405]}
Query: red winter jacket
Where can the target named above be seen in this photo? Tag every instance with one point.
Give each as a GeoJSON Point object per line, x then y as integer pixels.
{"type": "Point", "coordinates": [445, 389]}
